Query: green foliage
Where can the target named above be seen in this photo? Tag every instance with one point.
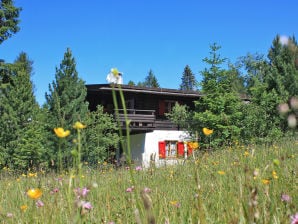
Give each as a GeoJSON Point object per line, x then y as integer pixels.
{"type": "Point", "coordinates": [283, 76]}
{"type": "Point", "coordinates": [188, 79]}
{"type": "Point", "coordinates": [9, 21]}
{"type": "Point", "coordinates": [261, 121]}
{"type": "Point", "coordinates": [66, 104]}
{"type": "Point", "coordinates": [131, 83]}
{"type": "Point", "coordinates": [150, 81]}
{"type": "Point", "coordinates": [219, 108]}
{"type": "Point", "coordinates": [18, 107]}
{"type": "Point", "coordinates": [180, 115]}
{"type": "Point", "coordinates": [212, 76]}
{"type": "Point", "coordinates": [101, 137]}
{"type": "Point", "coordinates": [30, 153]}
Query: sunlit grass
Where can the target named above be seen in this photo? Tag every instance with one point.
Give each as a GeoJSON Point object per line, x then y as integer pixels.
{"type": "Point", "coordinates": [236, 185]}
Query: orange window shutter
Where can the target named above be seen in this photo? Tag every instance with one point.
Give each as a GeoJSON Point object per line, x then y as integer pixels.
{"type": "Point", "coordinates": [162, 150]}
{"type": "Point", "coordinates": [180, 147]}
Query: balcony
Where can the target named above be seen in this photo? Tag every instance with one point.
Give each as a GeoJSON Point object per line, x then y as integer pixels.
{"type": "Point", "coordinates": [143, 121]}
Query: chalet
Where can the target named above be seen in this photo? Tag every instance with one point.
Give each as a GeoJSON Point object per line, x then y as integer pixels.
{"type": "Point", "coordinates": [153, 136]}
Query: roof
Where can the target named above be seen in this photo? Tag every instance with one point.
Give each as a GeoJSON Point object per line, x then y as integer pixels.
{"type": "Point", "coordinates": [145, 90]}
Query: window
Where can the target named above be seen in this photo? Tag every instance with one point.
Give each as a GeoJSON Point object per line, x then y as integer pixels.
{"type": "Point", "coordinates": [171, 149]}
{"type": "Point", "coordinates": [165, 106]}
{"type": "Point", "coordinates": [169, 106]}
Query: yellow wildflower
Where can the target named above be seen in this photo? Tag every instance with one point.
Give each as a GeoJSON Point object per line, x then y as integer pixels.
{"type": "Point", "coordinates": [265, 181]}
{"type": "Point", "coordinates": [32, 174]}
{"type": "Point", "coordinates": [61, 133]}
{"type": "Point", "coordinates": [207, 131]}
{"type": "Point", "coordinates": [34, 193]}
{"type": "Point", "coordinates": [24, 208]}
{"type": "Point", "coordinates": [274, 175]}
{"type": "Point", "coordinates": [175, 203]}
{"type": "Point", "coordinates": [193, 145]}
{"type": "Point", "coordinates": [220, 172]}
{"type": "Point", "coordinates": [246, 153]}
{"type": "Point", "coordinates": [79, 125]}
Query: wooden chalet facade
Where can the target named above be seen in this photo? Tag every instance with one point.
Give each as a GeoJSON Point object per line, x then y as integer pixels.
{"type": "Point", "coordinates": [153, 137]}
{"type": "Point", "coordinates": [146, 107]}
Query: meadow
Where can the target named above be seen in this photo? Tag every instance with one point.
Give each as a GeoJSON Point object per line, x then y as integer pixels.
{"type": "Point", "coordinates": [240, 184]}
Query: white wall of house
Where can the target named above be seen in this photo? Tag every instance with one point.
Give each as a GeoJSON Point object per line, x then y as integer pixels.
{"type": "Point", "coordinates": [145, 145]}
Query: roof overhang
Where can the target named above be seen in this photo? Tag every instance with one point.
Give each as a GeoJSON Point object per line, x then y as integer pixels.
{"type": "Point", "coordinates": [143, 90]}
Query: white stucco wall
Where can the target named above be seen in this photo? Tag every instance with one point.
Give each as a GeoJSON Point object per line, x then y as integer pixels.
{"type": "Point", "coordinates": [146, 144]}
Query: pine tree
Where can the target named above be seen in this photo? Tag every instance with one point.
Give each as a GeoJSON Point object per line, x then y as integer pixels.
{"type": "Point", "coordinates": [219, 108]}
{"type": "Point", "coordinates": [66, 102]}
{"type": "Point", "coordinates": [151, 80]}
{"type": "Point", "coordinates": [19, 108]}
{"type": "Point", "coordinates": [188, 79]}
{"type": "Point", "coordinates": [283, 75]}
{"type": "Point", "coordinates": [131, 83]}
{"type": "Point", "coordinates": [9, 21]}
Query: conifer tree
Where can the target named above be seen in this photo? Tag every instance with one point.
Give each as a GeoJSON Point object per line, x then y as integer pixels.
{"type": "Point", "coordinates": [219, 108]}
{"type": "Point", "coordinates": [9, 21]}
{"type": "Point", "coordinates": [283, 75]}
{"type": "Point", "coordinates": [188, 79]}
{"type": "Point", "coordinates": [131, 83]}
{"type": "Point", "coordinates": [19, 110]}
{"type": "Point", "coordinates": [151, 80]}
{"type": "Point", "coordinates": [66, 102]}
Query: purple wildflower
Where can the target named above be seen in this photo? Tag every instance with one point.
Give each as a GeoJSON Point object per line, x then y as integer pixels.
{"type": "Point", "coordinates": [147, 190]}
{"type": "Point", "coordinates": [294, 219]}
{"type": "Point", "coordinates": [130, 189]}
{"type": "Point", "coordinates": [39, 203]}
{"type": "Point", "coordinates": [55, 190]}
{"type": "Point", "coordinates": [86, 205]}
{"type": "Point", "coordinates": [84, 191]}
{"type": "Point", "coordinates": [81, 192]}
{"type": "Point", "coordinates": [138, 168]}
{"type": "Point", "coordinates": [285, 198]}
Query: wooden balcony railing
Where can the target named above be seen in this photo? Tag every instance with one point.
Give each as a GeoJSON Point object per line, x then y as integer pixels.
{"type": "Point", "coordinates": [143, 120]}
{"type": "Point", "coordinates": [138, 119]}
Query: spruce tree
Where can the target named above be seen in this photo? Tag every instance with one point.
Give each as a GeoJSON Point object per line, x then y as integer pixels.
{"type": "Point", "coordinates": [219, 108]}
{"type": "Point", "coordinates": [66, 103]}
{"type": "Point", "coordinates": [188, 79]}
{"type": "Point", "coordinates": [9, 19]}
{"type": "Point", "coordinates": [19, 109]}
{"type": "Point", "coordinates": [151, 80]}
{"type": "Point", "coordinates": [283, 75]}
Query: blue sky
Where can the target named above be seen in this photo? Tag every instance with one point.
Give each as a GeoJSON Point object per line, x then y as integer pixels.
{"type": "Point", "coordinates": [136, 36]}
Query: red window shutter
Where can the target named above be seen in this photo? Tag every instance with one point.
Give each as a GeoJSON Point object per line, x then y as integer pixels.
{"type": "Point", "coordinates": [180, 147]}
{"type": "Point", "coordinates": [161, 107]}
{"type": "Point", "coordinates": [162, 150]}
{"type": "Point", "coordinates": [189, 150]}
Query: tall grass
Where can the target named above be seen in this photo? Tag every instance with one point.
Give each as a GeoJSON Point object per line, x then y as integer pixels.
{"type": "Point", "coordinates": [235, 185]}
